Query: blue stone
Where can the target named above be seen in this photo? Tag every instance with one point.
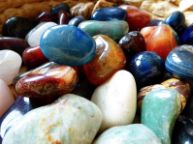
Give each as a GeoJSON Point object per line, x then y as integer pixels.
{"type": "Point", "coordinates": [146, 67]}
{"type": "Point", "coordinates": [187, 36]}
{"type": "Point", "coordinates": [75, 21]}
{"type": "Point", "coordinates": [179, 62]}
{"type": "Point", "coordinates": [20, 107]}
{"type": "Point", "coordinates": [177, 21]}
{"type": "Point", "coordinates": [68, 45]}
{"type": "Point", "coordinates": [109, 13]}
{"type": "Point", "coordinates": [63, 6]}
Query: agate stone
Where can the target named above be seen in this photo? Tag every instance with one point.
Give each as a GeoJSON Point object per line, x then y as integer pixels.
{"type": "Point", "coordinates": [67, 45]}
{"type": "Point", "coordinates": [160, 109]}
{"type": "Point", "coordinates": [180, 62]}
{"type": "Point", "coordinates": [187, 36]}
{"type": "Point", "coordinates": [75, 21]}
{"type": "Point", "coordinates": [147, 68]}
{"type": "Point", "coordinates": [115, 29]}
{"type": "Point", "coordinates": [109, 13]}
{"type": "Point", "coordinates": [128, 134]}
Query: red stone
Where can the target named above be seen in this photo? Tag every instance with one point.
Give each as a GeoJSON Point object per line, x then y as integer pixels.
{"type": "Point", "coordinates": [160, 39]}
{"type": "Point", "coordinates": [33, 57]}
{"type": "Point", "coordinates": [109, 59]}
{"type": "Point", "coordinates": [136, 18]}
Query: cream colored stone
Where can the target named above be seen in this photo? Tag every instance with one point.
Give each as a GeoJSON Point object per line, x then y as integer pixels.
{"type": "Point", "coordinates": [6, 98]}
{"type": "Point", "coordinates": [117, 99]}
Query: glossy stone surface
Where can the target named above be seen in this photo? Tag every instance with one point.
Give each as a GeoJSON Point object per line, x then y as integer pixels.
{"type": "Point", "coordinates": [158, 118]}
{"type": "Point", "coordinates": [72, 46]}
{"type": "Point", "coordinates": [177, 21]}
{"type": "Point", "coordinates": [182, 87]}
{"type": "Point", "coordinates": [129, 134]}
{"type": "Point", "coordinates": [33, 57]}
{"type": "Point", "coordinates": [16, 44]}
{"type": "Point", "coordinates": [180, 62]}
{"type": "Point", "coordinates": [109, 59]}
{"type": "Point", "coordinates": [21, 106]}
{"type": "Point", "coordinates": [147, 68]}
{"type": "Point", "coordinates": [132, 42]}
{"type": "Point", "coordinates": [116, 99]}
{"type": "Point", "coordinates": [47, 83]}
{"type": "Point", "coordinates": [63, 17]}
{"type": "Point", "coordinates": [155, 22]}
{"type": "Point", "coordinates": [83, 9]}
{"type": "Point", "coordinates": [6, 97]}
{"type": "Point", "coordinates": [187, 36]}
{"type": "Point", "coordinates": [44, 16]}
{"type": "Point", "coordinates": [115, 29]}
{"type": "Point", "coordinates": [10, 63]}
{"type": "Point", "coordinates": [183, 131]}
{"type": "Point", "coordinates": [34, 36]}
{"type": "Point", "coordinates": [72, 119]}
{"type": "Point", "coordinates": [160, 39]}
{"type": "Point", "coordinates": [136, 18]}
{"type": "Point", "coordinates": [109, 13]}
{"type": "Point", "coordinates": [17, 27]}
{"type": "Point", "coordinates": [75, 21]}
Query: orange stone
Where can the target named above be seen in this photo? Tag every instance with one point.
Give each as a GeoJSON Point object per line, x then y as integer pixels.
{"type": "Point", "coordinates": [109, 59]}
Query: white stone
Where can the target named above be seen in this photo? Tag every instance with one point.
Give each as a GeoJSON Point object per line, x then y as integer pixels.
{"type": "Point", "coordinates": [10, 63]}
{"type": "Point", "coordinates": [117, 99]}
{"type": "Point", "coordinates": [34, 36]}
{"type": "Point", "coordinates": [6, 97]}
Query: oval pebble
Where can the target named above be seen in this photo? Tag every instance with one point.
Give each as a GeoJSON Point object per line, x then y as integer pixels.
{"type": "Point", "coordinates": [116, 99]}
{"type": "Point", "coordinates": [10, 63]}
{"type": "Point", "coordinates": [33, 37]}
{"type": "Point", "coordinates": [72, 47]}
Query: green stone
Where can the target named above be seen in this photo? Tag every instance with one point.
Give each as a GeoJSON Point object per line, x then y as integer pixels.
{"type": "Point", "coordinates": [128, 134]}
{"type": "Point", "coordinates": [114, 29]}
{"type": "Point", "coordinates": [160, 109]}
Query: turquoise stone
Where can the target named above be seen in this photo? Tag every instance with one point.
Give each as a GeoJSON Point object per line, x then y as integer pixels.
{"type": "Point", "coordinates": [160, 109]}
{"type": "Point", "coordinates": [67, 45]}
{"type": "Point", "coordinates": [109, 13]}
{"type": "Point", "coordinates": [179, 62]}
{"type": "Point", "coordinates": [115, 29]}
{"type": "Point", "coordinates": [128, 134]}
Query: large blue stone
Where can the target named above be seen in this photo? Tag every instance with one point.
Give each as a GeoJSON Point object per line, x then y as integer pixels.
{"type": "Point", "coordinates": [109, 13]}
{"type": "Point", "coordinates": [179, 62]}
{"type": "Point", "coordinates": [187, 36]}
{"type": "Point", "coordinates": [67, 45]}
{"type": "Point", "coordinates": [146, 67]}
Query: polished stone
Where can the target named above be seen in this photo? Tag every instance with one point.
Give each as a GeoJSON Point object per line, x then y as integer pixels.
{"type": "Point", "coordinates": [115, 29]}
{"type": "Point", "coordinates": [72, 120]}
{"type": "Point", "coordinates": [12, 43]}
{"type": "Point", "coordinates": [72, 46]}
{"type": "Point", "coordinates": [109, 59]}
{"type": "Point", "coordinates": [179, 62]}
{"type": "Point", "coordinates": [75, 21]}
{"type": "Point", "coordinates": [116, 99]}
{"type": "Point", "coordinates": [109, 13]}
{"type": "Point", "coordinates": [10, 63]}
{"type": "Point", "coordinates": [128, 134]}
{"type": "Point", "coordinates": [160, 39]}
{"type": "Point", "coordinates": [187, 36]}
{"type": "Point", "coordinates": [17, 27]}
{"type": "Point", "coordinates": [33, 37]}
{"type": "Point", "coordinates": [147, 68]}
{"type": "Point", "coordinates": [160, 109]}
